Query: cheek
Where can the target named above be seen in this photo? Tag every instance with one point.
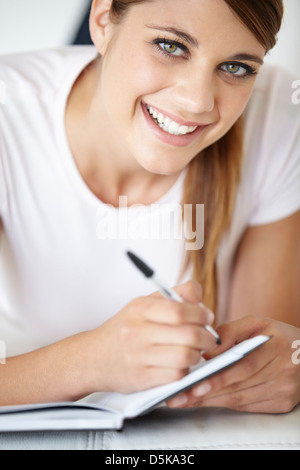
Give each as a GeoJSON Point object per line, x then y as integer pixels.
{"type": "Point", "coordinates": [128, 79]}
{"type": "Point", "coordinates": [230, 104]}
{"type": "Point", "coordinates": [142, 75]}
{"type": "Point", "coordinates": [233, 102]}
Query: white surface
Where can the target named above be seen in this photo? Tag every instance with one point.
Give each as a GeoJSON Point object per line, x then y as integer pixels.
{"type": "Point", "coordinates": [211, 428]}
{"type": "Point", "coordinates": [164, 428]}
{"type": "Point", "coordinates": [39, 24]}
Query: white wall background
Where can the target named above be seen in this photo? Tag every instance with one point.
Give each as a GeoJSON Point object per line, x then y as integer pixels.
{"type": "Point", "coordinates": [287, 50]}
{"type": "Point", "coordinates": [39, 24]}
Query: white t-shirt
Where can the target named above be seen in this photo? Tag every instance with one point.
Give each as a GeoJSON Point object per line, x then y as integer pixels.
{"type": "Point", "coordinates": [63, 267]}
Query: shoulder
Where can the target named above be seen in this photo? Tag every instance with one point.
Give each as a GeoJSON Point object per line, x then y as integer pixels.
{"type": "Point", "coordinates": [271, 168]}
{"type": "Point", "coordinates": [271, 79]}
{"type": "Point", "coordinates": [272, 119]}
{"type": "Point", "coordinates": [272, 110]}
{"type": "Point", "coordinates": [33, 72]}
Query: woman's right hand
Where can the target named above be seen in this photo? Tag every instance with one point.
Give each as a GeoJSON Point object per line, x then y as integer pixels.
{"type": "Point", "coordinates": [150, 342]}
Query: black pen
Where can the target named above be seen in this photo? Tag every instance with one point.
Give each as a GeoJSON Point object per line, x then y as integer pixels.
{"type": "Point", "coordinates": [165, 291]}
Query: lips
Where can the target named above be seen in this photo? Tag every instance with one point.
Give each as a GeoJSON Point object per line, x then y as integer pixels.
{"type": "Point", "coordinates": [168, 125]}
{"type": "Point", "coordinates": [169, 129]}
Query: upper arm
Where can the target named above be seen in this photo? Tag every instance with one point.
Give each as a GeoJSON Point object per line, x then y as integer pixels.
{"type": "Point", "coordinates": [266, 275]}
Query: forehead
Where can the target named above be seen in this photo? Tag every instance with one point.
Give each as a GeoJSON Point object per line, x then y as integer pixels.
{"type": "Point", "coordinates": [204, 20]}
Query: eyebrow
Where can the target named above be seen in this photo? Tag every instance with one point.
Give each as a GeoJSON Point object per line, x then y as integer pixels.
{"type": "Point", "coordinates": [178, 32]}
{"type": "Point", "coordinates": [193, 42]}
{"type": "Point", "coordinates": [243, 56]}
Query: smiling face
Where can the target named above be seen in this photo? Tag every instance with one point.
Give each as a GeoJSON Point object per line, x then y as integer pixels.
{"type": "Point", "coordinates": [175, 77]}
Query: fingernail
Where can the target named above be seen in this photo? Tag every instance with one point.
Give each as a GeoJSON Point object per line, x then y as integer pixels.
{"type": "Point", "coordinates": [201, 390]}
{"type": "Point", "coordinates": [179, 401]}
{"type": "Point", "coordinates": [211, 316]}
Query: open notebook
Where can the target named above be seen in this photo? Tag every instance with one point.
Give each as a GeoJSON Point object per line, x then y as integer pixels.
{"type": "Point", "coordinates": [103, 411]}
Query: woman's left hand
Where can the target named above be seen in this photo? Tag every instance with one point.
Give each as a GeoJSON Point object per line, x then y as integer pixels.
{"type": "Point", "coordinates": [266, 381]}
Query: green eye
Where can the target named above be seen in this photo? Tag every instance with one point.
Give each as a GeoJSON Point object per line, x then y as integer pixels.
{"type": "Point", "coordinates": [233, 68]}
{"type": "Point", "coordinates": [238, 70]}
{"type": "Point", "coordinates": [171, 48]}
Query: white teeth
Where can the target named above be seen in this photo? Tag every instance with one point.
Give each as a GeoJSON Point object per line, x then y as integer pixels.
{"type": "Point", "coordinates": [183, 130]}
{"type": "Point", "coordinates": [174, 128]}
{"type": "Point", "coordinates": [168, 125]}
{"type": "Point", "coordinates": [167, 122]}
{"type": "Point", "coordinates": [160, 118]}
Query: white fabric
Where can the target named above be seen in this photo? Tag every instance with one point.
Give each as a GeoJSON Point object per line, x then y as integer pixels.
{"type": "Point", "coordinates": [57, 276]}
{"type": "Point", "coordinates": [166, 429]}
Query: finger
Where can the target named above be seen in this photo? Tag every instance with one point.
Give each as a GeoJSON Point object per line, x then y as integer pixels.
{"type": "Point", "coordinates": [187, 399]}
{"type": "Point", "coordinates": [268, 406]}
{"type": "Point", "coordinates": [173, 357]}
{"type": "Point", "coordinates": [264, 398]}
{"type": "Point", "coordinates": [267, 375]}
{"type": "Point", "coordinates": [152, 376]}
{"type": "Point", "coordinates": [180, 401]}
{"type": "Point", "coordinates": [246, 368]}
{"type": "Point", "coordinates": [166, 311]}
{"type": "Point", "coordinates": [235, 396]}
{"type": "Point", "coordinates": [250, 399]}
{"type": "Point", "coordinates": [190, 292]}
{"type": "Point", "coordinates": [235, 332]}
{"type": "Point", "coordinates": [273, 372]}
{"type": "Point", "coordinates": [191, 336]}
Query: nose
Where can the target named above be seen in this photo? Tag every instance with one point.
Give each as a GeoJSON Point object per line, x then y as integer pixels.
{"type": "Point", "coordinates": [195, 92]}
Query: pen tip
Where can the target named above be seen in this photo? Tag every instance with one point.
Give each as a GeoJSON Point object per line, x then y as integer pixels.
{"type": "Point", "coordinates": [148, 272]}
{"type": "Point", "coordinates": [219, 342]}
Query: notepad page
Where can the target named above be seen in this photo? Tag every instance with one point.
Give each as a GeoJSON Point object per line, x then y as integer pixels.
{"type": "Point", "coordinates": [133, 404]}
{"type": "Point", "coordinates": [56, 420]}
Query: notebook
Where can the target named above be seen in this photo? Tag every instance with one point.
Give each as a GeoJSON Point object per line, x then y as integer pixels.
{"type": "Point", "coordinates": [110, 410]}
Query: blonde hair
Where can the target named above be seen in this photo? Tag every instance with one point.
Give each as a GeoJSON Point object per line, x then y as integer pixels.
{"type": "Point", "coordinates": [214, 174]}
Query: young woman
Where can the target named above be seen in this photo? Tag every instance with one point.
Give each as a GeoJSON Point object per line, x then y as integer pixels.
{"type": "Point", "coordinates": [170, 109]}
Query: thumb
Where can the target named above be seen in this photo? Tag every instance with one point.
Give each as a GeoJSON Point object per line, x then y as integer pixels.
{"type": "Point", "coordinates": [235, 332]}
{"type": "Point", "coordinates": [191, 292]}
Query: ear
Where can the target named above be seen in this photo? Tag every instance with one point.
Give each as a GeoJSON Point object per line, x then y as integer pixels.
{"type": "Point", "coordinates": [100, 23]}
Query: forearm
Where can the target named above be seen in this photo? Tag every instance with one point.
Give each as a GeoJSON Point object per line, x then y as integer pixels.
{"type": "Point", "coordinates": [59, 372]}
{"type": "Point", "coordinates": [266, 273]}
{"type": "Point", "coordinates": [152, 341]}
{"type": "Point", "coordinates": [286, 310]}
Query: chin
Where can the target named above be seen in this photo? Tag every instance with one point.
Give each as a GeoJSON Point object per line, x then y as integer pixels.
{"type": "Point", "coordinates": [164, 168]}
